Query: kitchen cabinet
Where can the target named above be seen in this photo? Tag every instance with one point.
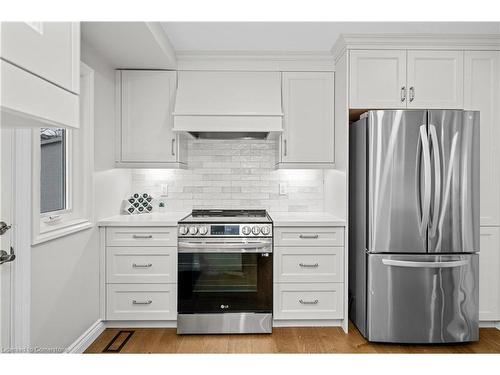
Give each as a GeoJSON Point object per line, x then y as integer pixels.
{"type": "Point", "coordinates": [403, 78]}
{"type": "Point", "coordinates": [435, 79]}
{"type": "Point", "coordinates": [482, 93]}
{"type": "Point", "coordinates": [378, 79]}
{"type": "Point", "coordinates": [308, 135]}
{"type": "Point", "coordinates": [308, 274]}
{"type": "Point", "coordinates": [50, 50]}
{"type": "Point", "coordinates": [40, 70]}
{"type": "Point", "coordinates": [145, 125]}
{"type": "Point", "coordinates": [489, 274]}
{"type": "Point", "coordinates": [140, 273]}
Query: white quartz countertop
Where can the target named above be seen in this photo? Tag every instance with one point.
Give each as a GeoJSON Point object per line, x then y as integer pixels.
{"type": "Point", "coordinates": [166, 219]}
{"type": "Point", "coordinates": [306, 219]}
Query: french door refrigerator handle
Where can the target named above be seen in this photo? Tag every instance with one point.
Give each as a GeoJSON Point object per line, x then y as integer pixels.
{"type": "Point", "coordinates": [412, 264]}
{"type": "Point", "coordinates": [437, 180]}
{"type": "Point", "coordinates": [426, 206]}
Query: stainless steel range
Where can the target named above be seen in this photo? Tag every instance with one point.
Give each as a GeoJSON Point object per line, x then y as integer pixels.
{"type": "Point", "coordinates": [225, 272]}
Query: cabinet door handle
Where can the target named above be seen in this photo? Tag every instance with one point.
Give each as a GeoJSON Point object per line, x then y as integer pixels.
{"type": "Point", "coordinates": [403, 93]}
{"type": "Point", "coordinates": [302, 302]}
{"type": "Point", "coordinates": [412, 93]}
{"type": "Point", "coordinates": [142, 265]}
{"type": "Point", "coordinates": [173, 146]}
{"type": "Point", "coordinates": [148, 302]}
{"type": "Point", "coordinates": [312, 236]}
{"type": "Point", "coordinates": [285, 148]}
{"type": "Point", "coordinates": [304, 265]}
{"type": "Point", "coordinates": [143, 236]}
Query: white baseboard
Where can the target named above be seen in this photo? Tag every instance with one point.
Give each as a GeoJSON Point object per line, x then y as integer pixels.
{"type": "Point", "coordinates": [308, 323]}
{"type": "Point", "coordinates": [489, 324]}
{"type": "Point", "coordinates": [87, 338]}
{"type": "Point", "coordinates": [141, 324]}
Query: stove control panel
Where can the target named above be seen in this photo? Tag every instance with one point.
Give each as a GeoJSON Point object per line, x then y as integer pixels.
{"type": "Point", "coordinates": [225, 230]}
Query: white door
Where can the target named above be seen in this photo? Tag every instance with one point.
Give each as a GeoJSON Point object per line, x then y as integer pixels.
{"type": "Point", "coordinates": [146, 116]}
{"type": "Point", "coordinates": [435, 79]}
{"type": "Point", "coordinates": [308, 105]}
{"type": "Point", "coordinates": [50, 50]}
{"type": "Point", "coordinates": [482, 93]}
{"type": "Point", "coordinates": [489, 274]}
{"type": "Point", "coordinates": [377, 79]}
{"type": "Point", "coordinates": [5, 238]}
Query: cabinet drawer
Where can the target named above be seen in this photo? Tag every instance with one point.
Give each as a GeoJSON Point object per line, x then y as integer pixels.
{"type": "Point", "coordinates": [309, 264]}
{"type": "Point", "coordinates": [141, 302]}
{"type": "Point", "coordinates": [141, 264]}
{"type": "Point", "coordinates": [308, 301]}
{"type": "Point", "coordinates": [141, 236]}
{"type": "Point", "coordinates": [309, 236]}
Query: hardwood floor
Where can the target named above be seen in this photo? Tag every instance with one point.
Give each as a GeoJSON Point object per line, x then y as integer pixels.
{"type": "Point", "coordinates": [282, 340]}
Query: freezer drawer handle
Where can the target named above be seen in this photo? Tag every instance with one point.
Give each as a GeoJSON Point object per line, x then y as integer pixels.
{"type": "Point", "coordinates": [309, 236]}
{"type": "Point", "coordinates": [309, 265]}
{"type": "Point", "coordinates": [411, 264]}
{"type": "Point", "coordinates": [145, 236]}
{"type": "Point", "coordinates": [148, 302]}
{"type": "Point", "coordinates": [302, 302]}
{"type": "Point", "coordinates": [135, 265]}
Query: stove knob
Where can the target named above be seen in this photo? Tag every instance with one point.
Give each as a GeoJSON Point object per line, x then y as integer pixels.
{"type": "Point", "coordinates": [265, 230]}
{"type": "Point", "coordinates": [203, 230]}
{"type": "Point", "coordinates": [246, 230]}
{"type": "Point", "coordinates": [256, 230]}
{"type": "Point", "coordinates": [183, 230]}
{"type": "Point", "coordinates": [193, 231]}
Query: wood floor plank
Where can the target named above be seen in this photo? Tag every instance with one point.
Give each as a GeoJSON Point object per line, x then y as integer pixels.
{"type": "Point", "coordinates": [282, 340]}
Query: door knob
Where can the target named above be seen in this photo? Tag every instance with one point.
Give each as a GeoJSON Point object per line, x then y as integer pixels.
{"type": "Point", "coordinates": [4, 227]}
{"type": "Point", "coordinates": [6, 257]}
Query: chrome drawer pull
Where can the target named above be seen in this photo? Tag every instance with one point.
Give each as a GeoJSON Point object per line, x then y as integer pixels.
{"type": "Point", "coordinates": [315, 302]}
{"type": "Point", "coordinates": [148, 302]}
{"type": "Point", "coordinates": [142, 265]}
{"type": "Point", "coordinates": [145, 236]}
{"type": "Point", "coordinates": [309, 236]}
{"type": "Point", "coordinates": [309, 265]}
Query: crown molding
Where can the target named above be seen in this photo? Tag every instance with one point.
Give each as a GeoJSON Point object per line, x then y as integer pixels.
{"type": "Point", "coordinates": [256, 60]}
{"type": "Point", "coordinates": [415, 41]}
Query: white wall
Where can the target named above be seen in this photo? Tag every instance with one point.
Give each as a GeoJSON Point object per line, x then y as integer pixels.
{"type": "Point", "coordinates": [65, 271]}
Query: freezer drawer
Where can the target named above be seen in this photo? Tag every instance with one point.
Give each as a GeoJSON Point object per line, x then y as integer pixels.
{"type": "Point", "coordinates": [422, 298]}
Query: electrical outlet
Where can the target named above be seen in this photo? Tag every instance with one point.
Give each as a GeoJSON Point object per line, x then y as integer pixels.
{"type": "Point", "coordinates": [164, 190]}
{"type": "Point", "coordinates": [283, 188]}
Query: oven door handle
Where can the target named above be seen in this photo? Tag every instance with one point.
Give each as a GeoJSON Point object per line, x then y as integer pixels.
{"type": "Point", "coordinates": [224, 247]}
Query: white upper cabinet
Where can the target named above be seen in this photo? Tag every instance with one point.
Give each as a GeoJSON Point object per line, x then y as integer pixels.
{"type": "Point", "coordinates": [40, 74]}
{"type": "Point", "coordinates": [308, 106]}
{"type": "Point", "coordinates": [146, 126]}
{"type": "Point", "coordinates": [378, 79]}
{"type": "Point", "coordinates": [50, 50]}
{"type": "Point", "coordinates": [482, 93]}
{"type": "Point", "coordinates": [435, 79]}
{"type": "Point", "coordinates": [406, 79]}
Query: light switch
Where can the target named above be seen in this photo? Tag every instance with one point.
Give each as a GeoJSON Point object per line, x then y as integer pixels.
{"type": "Point", "coordinates": [164, 190]}
{"type": "Point", "coordinates": [283, 188]}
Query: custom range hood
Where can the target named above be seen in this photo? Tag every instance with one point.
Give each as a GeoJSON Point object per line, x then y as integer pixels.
{"type": "Point", "coordinates": [228, 104]}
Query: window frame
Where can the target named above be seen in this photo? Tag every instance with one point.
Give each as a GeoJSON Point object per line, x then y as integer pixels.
{"type": "Point", "coordinates": [78, 214]}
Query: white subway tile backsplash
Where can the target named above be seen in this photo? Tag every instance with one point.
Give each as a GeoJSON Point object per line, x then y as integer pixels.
{"type": "Point", "coordinates": [233, 174]}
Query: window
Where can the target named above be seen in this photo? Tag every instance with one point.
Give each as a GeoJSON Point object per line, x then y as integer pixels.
{"type": "Point", "coordinates": [63, 167]}
{"type": "Point", "coordinates": [53, 173]}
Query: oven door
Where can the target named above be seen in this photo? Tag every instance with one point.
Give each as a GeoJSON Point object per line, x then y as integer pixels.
{"type": "Point", "coordinates": [222, 275]}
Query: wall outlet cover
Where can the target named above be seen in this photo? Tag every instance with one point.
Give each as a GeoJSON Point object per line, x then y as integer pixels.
{"type": "Point", "coordinates": [283, 188]}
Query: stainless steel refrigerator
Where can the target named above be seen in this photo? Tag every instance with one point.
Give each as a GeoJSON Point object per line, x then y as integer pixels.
{"type": "Point", "coordinates": [414, 225]}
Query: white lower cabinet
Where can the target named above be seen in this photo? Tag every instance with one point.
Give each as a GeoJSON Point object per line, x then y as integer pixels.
{"type": "Point", "coordinates": [489, 274]}
{"type": "Point", "coordinates": [140, 273]}
{"type": "Point", "coordinates": [309, 265]}
{"type": "Point", "coordinates": [309, 301]}
{"type": "Point", "coordinates": [141, 302]}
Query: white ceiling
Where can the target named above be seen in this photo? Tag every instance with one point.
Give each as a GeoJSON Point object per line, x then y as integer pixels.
{"type": "Point", "coordinates": [298, 36]}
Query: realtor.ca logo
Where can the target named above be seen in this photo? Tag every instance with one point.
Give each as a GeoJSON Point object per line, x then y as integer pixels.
{"type": "Point", "coordinates": [31, 350]}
